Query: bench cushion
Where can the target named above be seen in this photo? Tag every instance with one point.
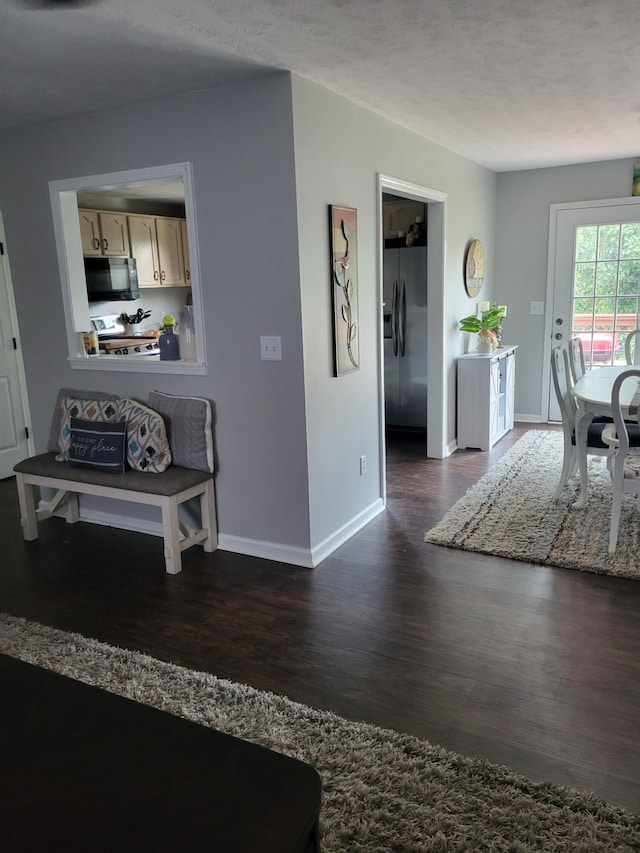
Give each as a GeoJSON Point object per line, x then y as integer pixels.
{"type": "Point", "coordinates": [170, 482]}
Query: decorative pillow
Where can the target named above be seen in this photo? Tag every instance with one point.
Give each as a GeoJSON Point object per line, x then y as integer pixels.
{"type": "Point", "coordinates": [53, 445]}
{"type": "Point", "coordinates": [98, 444]}
{"type": "Point", "coordinates": [88, 410]}
{"type": "Point", "coordinates": [188, 422]}
{"type": "Point", "coordinates": [147, 443]}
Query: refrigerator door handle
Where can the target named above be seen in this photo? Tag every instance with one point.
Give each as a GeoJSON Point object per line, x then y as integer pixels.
{"type": "Point", "coordinates": [402, 319]}
{"type": "Point", "coordinates": [394, 318]}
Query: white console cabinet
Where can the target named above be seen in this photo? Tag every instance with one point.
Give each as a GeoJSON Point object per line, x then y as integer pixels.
{"type": "Point", "coordinates": [486, 386]}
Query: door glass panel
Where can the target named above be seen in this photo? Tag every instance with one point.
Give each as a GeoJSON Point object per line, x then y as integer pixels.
{"type": "Point", "coordinates": [606, 287]}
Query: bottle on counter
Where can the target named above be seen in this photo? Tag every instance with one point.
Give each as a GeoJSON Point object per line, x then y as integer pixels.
{"type": "Point", "coordinates": [168, 341]}
{"type": "Point", "coordinates": [186, 337]}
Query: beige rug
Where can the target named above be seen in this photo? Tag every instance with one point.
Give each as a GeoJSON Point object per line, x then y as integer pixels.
{"type": "Point", "coordinates": [382, 791]}
{"type": "Point", "coordinates": [510, 512]}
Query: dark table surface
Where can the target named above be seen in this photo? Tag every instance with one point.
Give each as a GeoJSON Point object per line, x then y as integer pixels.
{"type": "Point", "coordinates": [83, 769]}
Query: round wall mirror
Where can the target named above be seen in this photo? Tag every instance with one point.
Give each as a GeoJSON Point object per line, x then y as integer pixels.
{"type": "Point", "coordinates": [474, 268]}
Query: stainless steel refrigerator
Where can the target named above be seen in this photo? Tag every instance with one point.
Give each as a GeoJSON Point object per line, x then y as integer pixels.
{"type": "Point", "coordinates": [405, 337]}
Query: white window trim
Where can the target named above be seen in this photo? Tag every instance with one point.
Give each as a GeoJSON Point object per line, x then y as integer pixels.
{"type": "Point", "coordinates": [66, 227]}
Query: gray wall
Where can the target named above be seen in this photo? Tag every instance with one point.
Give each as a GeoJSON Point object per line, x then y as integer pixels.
{"type": "Point", "coordinates": [522, 244]}
{"type": "Point", "coordinates": [239, 139]}
{"type": "Point", "coordinates": [340, 148]}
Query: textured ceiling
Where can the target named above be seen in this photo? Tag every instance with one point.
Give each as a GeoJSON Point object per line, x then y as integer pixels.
{"type": "Point", "coordinates": [511, 84]}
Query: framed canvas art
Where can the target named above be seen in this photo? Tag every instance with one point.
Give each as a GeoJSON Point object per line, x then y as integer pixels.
{"type": "Point", "coordinates": [343, 233]}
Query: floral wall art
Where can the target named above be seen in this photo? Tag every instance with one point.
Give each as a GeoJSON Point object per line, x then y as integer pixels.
{"type": "Point", "coordinates": [343, 227]}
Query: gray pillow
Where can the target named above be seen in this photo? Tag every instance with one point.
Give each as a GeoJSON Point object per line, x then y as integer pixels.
{"type": "Point", "coordinates": [188, 424]}
{"type": "Point", "coordinates": [54, 433]}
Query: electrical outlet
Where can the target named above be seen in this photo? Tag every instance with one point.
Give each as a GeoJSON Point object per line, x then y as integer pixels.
{"type": "Point", "coordinates": [363, 465]}
{"type": "Point", "coordinates": [537, 308]}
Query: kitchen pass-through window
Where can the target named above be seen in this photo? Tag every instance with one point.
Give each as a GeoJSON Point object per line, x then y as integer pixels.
{"type": "Point", "coordinates": [128, 260]}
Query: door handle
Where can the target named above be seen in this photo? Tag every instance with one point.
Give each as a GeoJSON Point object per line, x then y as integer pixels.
{"type": "Point", "coordinates": [558, 336]}
{"type": "Point", "coordinates": [403, 318]}
{"type": "Point", "coordinates": [394, 318]}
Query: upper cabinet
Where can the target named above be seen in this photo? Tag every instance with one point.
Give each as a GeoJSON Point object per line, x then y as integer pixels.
{"type": "Point", "coordinates": [104, 233]}
{"type": "Point", "coordinates": [158, 243]}
{"type": "Point", "coordinates": [170, 252]}
{"type": "Point", "coordinates": [185, 251]}
{"type": "Point", "coordinates": [144, 248]}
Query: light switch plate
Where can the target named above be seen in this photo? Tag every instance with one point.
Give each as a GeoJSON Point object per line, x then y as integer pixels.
{"type": "Point", "coordinates": [270, 348]}
{"type": "Point", "coordinates": [537, 307]}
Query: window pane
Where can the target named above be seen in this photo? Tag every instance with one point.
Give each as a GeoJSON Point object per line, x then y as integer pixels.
{"type": "Point", "coordinates": [606, 276]}
{"type": "Point", "coordinates": [585, 279]}
{"type": "Point", "coordinates": [608, 242]}
{"type": "Point", "coordinates": [604, 306]}
{"type": "Point", "coordinates": [627, 305]}
{"type": "Point", "coordinates": [629, 277]}
{"type": "Point", "coordinates": [630, 241]}
{"type": "Point", "coordinates": [582, 306]}
{"type": "Point", "coordinates": [586, 241]}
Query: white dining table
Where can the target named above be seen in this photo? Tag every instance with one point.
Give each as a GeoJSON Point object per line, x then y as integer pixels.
{"type": "Point", "coordinates": [593, 395]}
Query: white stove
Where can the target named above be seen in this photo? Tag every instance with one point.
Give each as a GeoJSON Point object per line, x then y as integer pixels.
{"type": "Point", "coordinates": [113, 340]}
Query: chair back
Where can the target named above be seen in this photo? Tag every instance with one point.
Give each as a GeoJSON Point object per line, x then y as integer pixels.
{"type": "Point", "coordinates": [576, 359]}
{"type": "Point", "coordinates": [632, 348]}
{"type": "Point", "coordinates": [560, 372]}
{"type": "Point", "coordinates": [622, 425]}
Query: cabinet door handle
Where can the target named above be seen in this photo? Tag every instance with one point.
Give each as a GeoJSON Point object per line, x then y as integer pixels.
{"type": "Point", "coordinates": [188, 275]}
{"type": "Point", "coordinates": [105, 243]}
{"type": "Point", "coordinates": [162, 275]}
{"type": "Point", "coordinates": [155, 275]}
{"type": "Point", "coordinates": [96, 243]}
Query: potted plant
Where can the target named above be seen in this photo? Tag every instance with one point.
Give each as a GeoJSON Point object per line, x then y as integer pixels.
{"type": "Point", "coordinates": [484, 326]}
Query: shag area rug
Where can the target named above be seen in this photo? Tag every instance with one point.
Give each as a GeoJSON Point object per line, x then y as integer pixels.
{"type": "Point", "coordinates": [510, 512]}
{"type": "Point", "coordinates": [382, 791]}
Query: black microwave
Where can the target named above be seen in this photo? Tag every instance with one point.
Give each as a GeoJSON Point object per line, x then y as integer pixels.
{"type": "Point", "coordinates": [111, 279]}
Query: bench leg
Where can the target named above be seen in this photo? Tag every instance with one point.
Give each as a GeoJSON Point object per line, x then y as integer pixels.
{"type": "Point", "coordinates": [72, 513]}
{"type": "Point", "coordinates": [26, 499]}
{"type": "Point", "coordinates": [171, 533]}
{"type": "Point", "coordinates": [208, 517]}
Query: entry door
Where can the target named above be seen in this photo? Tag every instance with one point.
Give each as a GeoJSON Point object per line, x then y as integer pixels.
{"type": "Point", "coordinates": [14, 444]}
{"type": "Point", "coordinates": [596, 279]}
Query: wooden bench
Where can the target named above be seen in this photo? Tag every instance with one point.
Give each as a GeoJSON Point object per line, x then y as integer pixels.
{"type": "Point", "coordinates": [168, 490]}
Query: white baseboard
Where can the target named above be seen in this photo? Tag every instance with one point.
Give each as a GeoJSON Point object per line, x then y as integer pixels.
{"type": "Point", "coordinates": [529, 419]}
{"type": "Point", "coordinates": [267, 550]}
{"type": "Point", "coordinates": [304, 557]}
{"type": "Point", "coordinates": [342, 534]}
{"type": "Point", "coordinates": [110, 519]}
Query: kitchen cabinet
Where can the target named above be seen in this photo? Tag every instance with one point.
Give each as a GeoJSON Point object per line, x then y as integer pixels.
{"type": "Point", "coordinates": [144, 248]}
{"type": "Point", "coordinates": [158, 247]}
{"type": "Point", "coordinates": [104, 233]}
{"type": "Point", "coordinates": [170, 251]}
{"type": "Point", "coordinates": [405, 337]}
{"type": "Point", "coordinates": [486, 397]}
{"type": "Point", "coordinates": [185, 251]}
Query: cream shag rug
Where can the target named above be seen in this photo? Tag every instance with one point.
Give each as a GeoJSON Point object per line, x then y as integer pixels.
{"type": "Point", "coordinates": [510, 512]}
{"type": "Point", "coordinates": [382, 791]}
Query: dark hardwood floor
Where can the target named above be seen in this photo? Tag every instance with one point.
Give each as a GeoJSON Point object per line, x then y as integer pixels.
{"type": "Point", "coordinates": [533, 667]}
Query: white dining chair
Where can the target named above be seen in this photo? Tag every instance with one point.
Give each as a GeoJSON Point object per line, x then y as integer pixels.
{"type": "Point", "coordinates": [576, 359]}
{"type": "Point", "coordinates": [560, 370]}
{"type": "Point", "coordinates": [624, 460]}
{"type": "Point", "coordinates": [631, 348]}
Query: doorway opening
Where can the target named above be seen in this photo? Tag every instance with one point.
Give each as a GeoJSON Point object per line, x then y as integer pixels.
{"type": "Point", "coordinates": [412, 322]}
{"type": "Point", "coordinates": [404, 321]}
